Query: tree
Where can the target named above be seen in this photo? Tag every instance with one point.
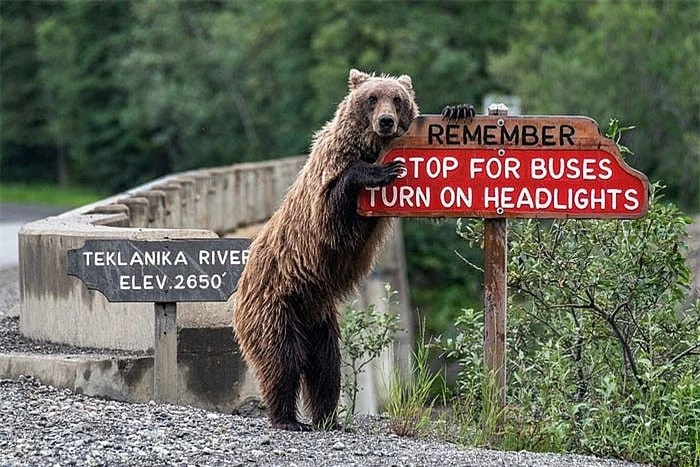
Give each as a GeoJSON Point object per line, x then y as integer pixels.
{"type": "Point", "coordinates": [441, 44]}
{"type": "Point", "coordinates": [79, 47]}
{"type": "Point", "coordinates": [26, 150]}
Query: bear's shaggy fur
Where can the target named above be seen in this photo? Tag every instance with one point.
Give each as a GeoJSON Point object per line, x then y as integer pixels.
{"type": "Point", "coordinates": [314, 250]}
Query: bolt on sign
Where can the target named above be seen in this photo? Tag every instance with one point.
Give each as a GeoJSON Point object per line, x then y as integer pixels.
{"type": "Point", "coordinates": [192, 270]}
{"type": "Point", "coordinates": [501, 167]}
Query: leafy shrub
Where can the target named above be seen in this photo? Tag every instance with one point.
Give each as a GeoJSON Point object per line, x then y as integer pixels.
{"type": "Point", "coordinates": [366, 333]}
{"type": "Point", "coordinates": [602, 343]}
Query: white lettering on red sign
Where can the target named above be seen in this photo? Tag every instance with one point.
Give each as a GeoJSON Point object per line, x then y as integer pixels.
{"type": "Point", "coordinates": [522, 181]}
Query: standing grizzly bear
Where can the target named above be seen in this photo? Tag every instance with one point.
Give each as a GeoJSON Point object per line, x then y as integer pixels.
{"type": "Point", "coordinates": [313, 251]}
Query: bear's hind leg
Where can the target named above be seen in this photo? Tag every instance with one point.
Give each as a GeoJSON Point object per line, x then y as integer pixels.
{"type": "Point", "coordinates": [322, 373]}
{"type": "Point", "coordinates": [281, 378]}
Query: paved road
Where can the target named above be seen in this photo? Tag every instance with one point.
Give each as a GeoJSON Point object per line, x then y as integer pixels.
{"type": "Point", "coordinates": [12, 217]}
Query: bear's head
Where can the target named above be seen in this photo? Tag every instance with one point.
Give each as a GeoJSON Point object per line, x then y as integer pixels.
{"type": "Point", "coordinates": [383, 107]}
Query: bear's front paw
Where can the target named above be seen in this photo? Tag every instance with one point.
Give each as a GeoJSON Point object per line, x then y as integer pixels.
{"type": "Point", "coordinates": [391, 171]}
{"type": "Point", "coordinates": [458, 111]}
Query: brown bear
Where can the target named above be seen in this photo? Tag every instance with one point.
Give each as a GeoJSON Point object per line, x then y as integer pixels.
{"type": "Point", "coordinates": [315, 249]}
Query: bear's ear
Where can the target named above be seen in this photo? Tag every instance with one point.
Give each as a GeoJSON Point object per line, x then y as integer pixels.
{"type": "Point", "coordinates": [356, 78]}
{"type": "Point", "coordinates": [406, 82]}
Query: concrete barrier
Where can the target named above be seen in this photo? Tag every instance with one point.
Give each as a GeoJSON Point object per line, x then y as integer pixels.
{"type": "Point", "coordinates": [211, 373]}
{"type": "Point", "coordinates": [204, 203]}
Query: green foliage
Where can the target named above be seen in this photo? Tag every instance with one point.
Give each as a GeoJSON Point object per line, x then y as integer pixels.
{"type": "Point", "coordinates": [26, 151]}
{"type": "Point", "coordinates": [115, 93]}
{"type": "Point", "coordinates": [615, 131]}
{"type": "Point", "coordinates": [438, 43]}
{"type": "Point", "coordinates": [365, 334]}
{"type": "Point", "coordinates": [410, 401]}
{"type": "Point", "coordinates": [603, 345]}
{"type": "Point", "coordinates": [188, 96]}
{"type": "Point", "coordinates": [79, 49]}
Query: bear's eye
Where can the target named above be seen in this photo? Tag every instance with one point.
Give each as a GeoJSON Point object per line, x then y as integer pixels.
{"type": "Point", "coordinates": [372, 100]}
{"type": "Point", "coordinates": [397, 102]}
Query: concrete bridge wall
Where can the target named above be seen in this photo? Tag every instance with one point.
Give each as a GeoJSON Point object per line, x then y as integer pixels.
{"type": "Point", "coordinates": [198, 204]}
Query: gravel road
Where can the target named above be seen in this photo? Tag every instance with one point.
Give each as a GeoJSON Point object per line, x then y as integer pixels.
{"type": "Point", "coordinates": [9, 291]}
{"type": "Point", "coordinates": [45, 426]}
{"type": "Point", "coordinates": [48, 426]}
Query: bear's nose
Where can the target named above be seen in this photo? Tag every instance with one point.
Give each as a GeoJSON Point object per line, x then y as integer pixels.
{"type": "Point", "coordinates": [386, 123]}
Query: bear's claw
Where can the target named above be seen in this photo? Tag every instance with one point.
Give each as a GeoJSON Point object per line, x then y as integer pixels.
{"type": "Point", "coordinates": [458, 111]}
{"type": "Point", "coordinates": [392, 171]}
{"type": "Point", "coordinates": [291, 426]}
{"type": "Point", "coordinates": [395, 168]}
{"type": "Point", "coordinates": [329, 426]}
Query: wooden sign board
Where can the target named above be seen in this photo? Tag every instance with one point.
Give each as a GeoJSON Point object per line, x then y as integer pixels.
{"type": "Point", "coordinates": [193, 270]}
{"type": "Point", "coordinates": [501, 167]}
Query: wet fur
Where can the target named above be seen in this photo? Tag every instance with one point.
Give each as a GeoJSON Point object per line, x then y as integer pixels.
{"type": "Point", "coordinates": [314, 250]}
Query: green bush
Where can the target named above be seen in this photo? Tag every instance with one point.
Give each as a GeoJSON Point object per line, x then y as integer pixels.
{"type": "Point", "coordinates": [602, 341]}
{"type": "Point", "coordinates": [365, 334]}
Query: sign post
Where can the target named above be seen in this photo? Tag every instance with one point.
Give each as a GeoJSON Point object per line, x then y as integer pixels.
{"type": "Point", "coordinates": [497, 167]}
{"type": "Point", "coordinates": [164, 272]}
{"type": "Point", "coordinates": [165, 352]}
{"type": "Point", "coordinates": [495, 300]}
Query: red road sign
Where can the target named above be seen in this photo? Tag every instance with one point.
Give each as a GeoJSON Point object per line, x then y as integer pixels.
{"type": "Point", "coordinates": [499, 166]}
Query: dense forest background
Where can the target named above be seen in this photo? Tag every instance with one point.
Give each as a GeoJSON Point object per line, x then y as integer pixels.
{"type": "Point", "coordinates": [111, 94]}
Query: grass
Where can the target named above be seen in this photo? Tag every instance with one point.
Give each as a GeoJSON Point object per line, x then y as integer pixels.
{"type": "Point", "coordinates": [410, 403]}
{"type": "Point", "coordinates": [47, 194]}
